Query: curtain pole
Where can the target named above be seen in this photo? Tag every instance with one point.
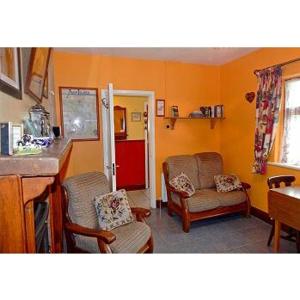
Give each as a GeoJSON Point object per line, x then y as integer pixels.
{"type": "Point", "coordinates": [279, 65]}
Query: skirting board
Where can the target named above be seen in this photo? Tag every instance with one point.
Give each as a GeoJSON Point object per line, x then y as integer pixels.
{"type": "Point", "coordinates": [160, 203]}
{"type": "Point", "coordinates": [265, 217]}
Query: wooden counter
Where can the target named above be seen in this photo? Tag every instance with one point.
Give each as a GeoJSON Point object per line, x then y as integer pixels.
{"type": "Point", "coordinates": [48, 163]}
{"type": "Point", "coordinates": [23, 179]}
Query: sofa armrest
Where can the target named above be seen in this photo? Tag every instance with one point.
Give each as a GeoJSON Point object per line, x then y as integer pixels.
{"type": "Point", "coordinates": [246, 185]}
{"type": "Point", "coordinates": [140, 213]}
{"type": "Point", "coordinates": [104, 235]}
{"type": "Point", "coordinates": [179, 193]}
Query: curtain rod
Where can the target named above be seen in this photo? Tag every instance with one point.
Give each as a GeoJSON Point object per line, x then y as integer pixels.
{"type": "Point", "coordinates": [279, 65]}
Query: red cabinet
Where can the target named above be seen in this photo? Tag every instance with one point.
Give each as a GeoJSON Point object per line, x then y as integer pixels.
{"type": "Point", "coordinates": [130, 161]}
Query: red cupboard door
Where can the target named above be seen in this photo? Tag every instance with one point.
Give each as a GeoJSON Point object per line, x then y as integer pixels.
{"type": "Point", "coordinates": [130, 161]}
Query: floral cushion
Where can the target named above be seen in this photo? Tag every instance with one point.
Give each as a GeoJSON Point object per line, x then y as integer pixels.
{"type": "Point", "coordinates": [227, 183]}
{"type": "Point", "coordinates": [182, 183]}
{"type": "Point", "coordinates": [113, 210]}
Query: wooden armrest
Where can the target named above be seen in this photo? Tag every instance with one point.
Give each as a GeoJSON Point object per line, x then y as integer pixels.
{"type": "Point", "coordinates": [246, 185]}
{"type": "Point", "coordinates": [104, 235]}
{"type": "Point", "coordinates": [143, 212]}
{"type": "Point", "coordinates": [180, 193]}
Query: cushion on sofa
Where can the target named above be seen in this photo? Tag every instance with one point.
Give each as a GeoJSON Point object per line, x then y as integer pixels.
{"type": "Point", "coordinates": [113, 210]}
{"type": "Point", "coordinates": [209, 164]}
{"type": "Point", "coordinates": [207, 199]}
{"type": "Point", "coordinates": [186, 164]}
{"type": "Point", "coordinates": [202, 200]}
{"type": "Point", "coordinates": [182, 183]}
{"type": "Point", "coordinates": [129, 239]}
{"type": "Point", "coordinates": [227, 183]}
{"type": "Point", "coordinates": [231, 198]}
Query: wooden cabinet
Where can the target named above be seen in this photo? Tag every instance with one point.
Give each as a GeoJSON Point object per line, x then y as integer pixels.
{"type": "Point", "coordinates": [22, 180]}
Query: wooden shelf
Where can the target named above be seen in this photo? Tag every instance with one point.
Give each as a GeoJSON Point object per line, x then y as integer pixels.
{"type": "Point", "coordinates": [212, 120]}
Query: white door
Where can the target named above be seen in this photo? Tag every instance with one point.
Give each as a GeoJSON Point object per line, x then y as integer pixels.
{"type": "Point", "coordinates": [109, 133]}
{"type": "Point", "coordinates": [146, 125]}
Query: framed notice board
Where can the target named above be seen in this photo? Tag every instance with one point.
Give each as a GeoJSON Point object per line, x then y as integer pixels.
{"type": "Point", "coordinates": [79, 113]}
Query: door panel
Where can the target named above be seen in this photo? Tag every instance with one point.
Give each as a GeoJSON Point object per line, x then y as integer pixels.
{"type": "Point", "coordinates": [109, 133]}
{"type": "Point", "coordinates": [130, 161]}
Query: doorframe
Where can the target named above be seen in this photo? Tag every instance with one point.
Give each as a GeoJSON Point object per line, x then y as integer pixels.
{"type": "Point", "coordinates": [151, 129]}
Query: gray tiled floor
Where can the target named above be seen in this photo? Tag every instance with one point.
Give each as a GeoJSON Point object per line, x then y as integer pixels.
{"type": "Point", "coordinates": [139, 198]}
{"type": "Point", "coordinates": [231, 234]}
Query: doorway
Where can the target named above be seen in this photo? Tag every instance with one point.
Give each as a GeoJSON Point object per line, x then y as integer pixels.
{"type": "Point", "coordinates": [139, 116]}
{"type": "Point", "coordinates": [131, 142]}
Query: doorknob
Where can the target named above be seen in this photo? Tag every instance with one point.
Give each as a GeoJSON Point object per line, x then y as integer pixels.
{"type": "Point", "coordinates": [117, 166]}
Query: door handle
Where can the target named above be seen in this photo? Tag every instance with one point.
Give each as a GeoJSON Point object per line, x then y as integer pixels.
{"type": "Point", "coordinates": [117, 166]}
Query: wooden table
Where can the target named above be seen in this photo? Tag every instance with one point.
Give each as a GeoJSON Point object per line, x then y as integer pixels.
{"type": "Point", "coordinates": [284, 207]}
{"type": "Point", "coordinates": [23, 179]}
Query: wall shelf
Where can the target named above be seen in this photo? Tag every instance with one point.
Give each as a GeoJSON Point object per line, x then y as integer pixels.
{"type": "Point", "coordinates": [212, 120]}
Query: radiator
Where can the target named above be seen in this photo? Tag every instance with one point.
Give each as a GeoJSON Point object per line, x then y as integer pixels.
{"type": "Point", "coordinates": [164, 196]}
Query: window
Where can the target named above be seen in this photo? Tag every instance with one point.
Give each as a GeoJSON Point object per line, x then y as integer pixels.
{"type": "Point", "coordinates": [290, 149]}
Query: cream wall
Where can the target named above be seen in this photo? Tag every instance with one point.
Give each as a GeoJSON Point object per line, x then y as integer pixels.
{"type": "Point", "coordinates": [135, 130]}
{"type": "Point", "coordinates": [16, 110]}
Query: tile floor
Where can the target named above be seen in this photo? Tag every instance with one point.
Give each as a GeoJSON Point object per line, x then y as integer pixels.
{"type": "Point", "coordinates": [229, 234]}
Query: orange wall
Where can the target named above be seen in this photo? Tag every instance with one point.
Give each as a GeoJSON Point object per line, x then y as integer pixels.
{"type": "Point", "coordinates": [237, 131]}
{"type": "Point", "coordinates": [186, 85]}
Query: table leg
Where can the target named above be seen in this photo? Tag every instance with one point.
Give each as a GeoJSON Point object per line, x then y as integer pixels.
{"type": "Point", "coordinates": [277, 236]}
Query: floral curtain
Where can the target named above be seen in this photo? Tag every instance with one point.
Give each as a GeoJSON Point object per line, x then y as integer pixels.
{"type": "Point", "coordinates": [291, 141]}
{"type": "Point", "coordinates": [267, 112]}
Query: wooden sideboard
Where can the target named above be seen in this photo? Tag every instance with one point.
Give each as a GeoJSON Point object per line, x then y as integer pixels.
{"type": "Point", "coordinates": [22, 180]}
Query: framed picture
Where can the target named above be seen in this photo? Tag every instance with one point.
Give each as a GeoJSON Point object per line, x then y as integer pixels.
{"type": "Point", "coordinates": [10, 72]}
{"type": "Point", "coordinates": [37, 73]}
{"type": "Point", "coordinates": [136, 116]}
{"type": "Point", "coordinates": [79, 113]}
{"type": "Point", "coordinates": [174, 111]}
{"type": "Point", "coordinates": [160, 107]}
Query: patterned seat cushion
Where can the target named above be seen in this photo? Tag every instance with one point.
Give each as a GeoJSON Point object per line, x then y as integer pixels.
{"type": "Point", "coordinates": [227, 183]}
{"type": "Point", "coordinates": [130, 238]}
{"type": "Point", "coordinates": [209, 164]}
{"type": "Point", "coordinates": [113, 210]}
{"type": "Point", "coordinates": [182, 183]}
{"type": "Point", "coordinates": [186, 164]}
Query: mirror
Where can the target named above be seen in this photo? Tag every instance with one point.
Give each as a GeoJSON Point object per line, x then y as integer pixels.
{"type": "Point", "coordinates": [120, 123]}
{"type": "Point", "coordinates": [37, 72]}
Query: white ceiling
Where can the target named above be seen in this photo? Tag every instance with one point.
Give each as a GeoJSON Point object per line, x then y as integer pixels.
{"type": "Point", "coordinates": [210, 56]}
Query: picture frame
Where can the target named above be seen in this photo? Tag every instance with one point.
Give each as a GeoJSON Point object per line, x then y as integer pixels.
{"type": "Point", "coordinates": [174, 111]}
{"type": "Point", "coordinates": [10, 72]}
{"type": "Point", "coordinates": [136, 117]}
{"type": "Point", "coordinates": [37, 73]}
{"type": "Point", "coordinates": [160, 107]}
{"type": "Point", "coordinates": [79, 108]}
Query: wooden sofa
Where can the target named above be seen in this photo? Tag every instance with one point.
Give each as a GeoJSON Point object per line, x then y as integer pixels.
{"type": "Point", "coordinates": [206, 202]}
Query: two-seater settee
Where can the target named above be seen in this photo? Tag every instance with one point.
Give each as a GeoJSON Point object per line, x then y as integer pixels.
{"type": "Point", "coordinates": [206, 202]}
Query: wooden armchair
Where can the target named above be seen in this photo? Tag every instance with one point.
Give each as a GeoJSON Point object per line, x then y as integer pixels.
{"type": "Point", "coordinates": [81, 224]}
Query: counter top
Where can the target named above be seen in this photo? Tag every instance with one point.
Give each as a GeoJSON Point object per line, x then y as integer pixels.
{"type": "Point", "coordinates": [47, 163]}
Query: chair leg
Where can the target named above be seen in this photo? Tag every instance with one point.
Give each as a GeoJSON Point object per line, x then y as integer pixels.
{"type": "Point", "coordinates": [150, 245]}
{"type": "Point", "coordinates": [271, 234]}
{"type": "Point", "coordinates": [170, 213]}
{"type": "Point", "coordinates": [298, 241]}
{"type": "Point", "coordinates": [186, 222]}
